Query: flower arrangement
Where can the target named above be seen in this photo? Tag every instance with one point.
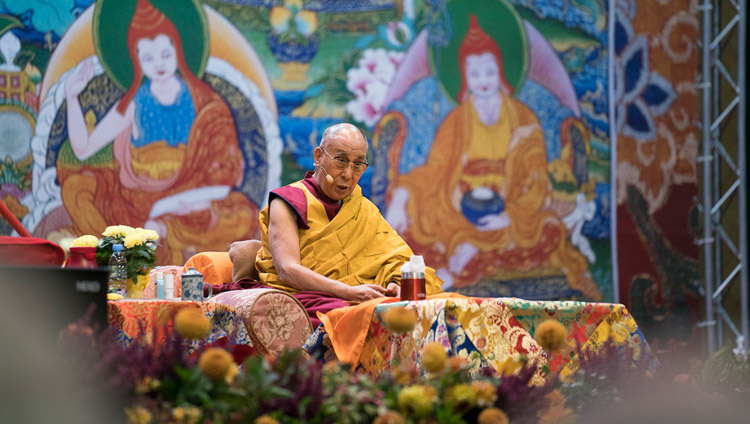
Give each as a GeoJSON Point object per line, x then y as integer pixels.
{"type": "Point", "coordinates": [172, 383]}
{"type": "Point", "coordinates": [139, 246]}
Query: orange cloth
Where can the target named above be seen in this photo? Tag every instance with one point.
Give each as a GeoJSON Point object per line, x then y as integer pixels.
{"type": "Point", "coordinates": [348, 327]}
{"type": "Point", "coordinates": [357, 247]}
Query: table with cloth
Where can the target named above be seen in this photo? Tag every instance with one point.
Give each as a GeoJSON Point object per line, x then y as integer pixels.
{"type": "Point", "coordinates": [486, 331]}
{"type": "Point", "coordinates": [153, 318]}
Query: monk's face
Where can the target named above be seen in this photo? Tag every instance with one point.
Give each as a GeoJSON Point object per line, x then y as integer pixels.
{"type": "Point", "coordinates": [347, 146]}
{"type": "Point", "coordinates": [158, 57]}
{"type": "Point", "coordinates": [482, 75]}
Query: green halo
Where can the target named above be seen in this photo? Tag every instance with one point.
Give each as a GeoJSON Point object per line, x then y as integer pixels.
{"type": "Point", "coordinates": [110, 33]}
{"type": "Point", "coordinates": [498, 19]}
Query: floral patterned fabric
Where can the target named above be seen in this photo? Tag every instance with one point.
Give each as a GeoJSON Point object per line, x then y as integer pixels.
{"type": "Point", "coordinates": [135, 317]}
{"type": "Point", "coordinates": [275, 320]}
{"type": "Point", "coordinates": [487, 331]}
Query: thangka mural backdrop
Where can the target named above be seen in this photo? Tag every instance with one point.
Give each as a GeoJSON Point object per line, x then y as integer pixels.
{"type": "Point", "coordinates": [656, 67]}
{"type": "Point", "coordinates": [489, 124]}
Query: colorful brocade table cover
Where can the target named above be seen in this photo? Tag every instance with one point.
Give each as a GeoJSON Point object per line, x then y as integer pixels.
{"type": "Point", "coordinates": [487, 331]}
{"type": "Point", "coordinates": [151, 318]}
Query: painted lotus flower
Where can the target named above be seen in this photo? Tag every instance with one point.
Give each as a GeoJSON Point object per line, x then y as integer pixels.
{"type": "Point", "coordinates": [369, 83]}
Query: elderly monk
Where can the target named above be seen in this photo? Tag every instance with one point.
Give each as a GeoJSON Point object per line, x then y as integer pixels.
{"type": "Point", "coordinates": [322, 240]}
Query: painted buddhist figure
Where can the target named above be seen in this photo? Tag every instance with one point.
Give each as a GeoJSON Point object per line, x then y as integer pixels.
{"type": "Point", "coordinates": [478, 207]}
{"type": "Point", "coordinates": [174, 143]}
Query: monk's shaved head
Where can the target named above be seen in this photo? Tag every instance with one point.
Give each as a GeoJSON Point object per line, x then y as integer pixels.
{"type": "Point", "coordinates": [343, 132]}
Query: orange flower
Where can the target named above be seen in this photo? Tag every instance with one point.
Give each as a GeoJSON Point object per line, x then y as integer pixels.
{"type": "Point", "coordinates": [390, 417]}
{"type": "Point", "coordinates": [190, 323]}
{"type": "Point", "coordinates": [433, 357]}
{"type": "Point", "coordinates": [265, 419]}
{"type": "Point", "coordinates": [682, 379]}
{"type": "Point", "coordinates": [457, 363]}
{"type": "Point", "coordinates": [216, 363]}
{"type": "Point", "coordinates": [556, 412]}
{"type": "Point", "coordinates": [485, 393]}
{"type": "Point", "coordinates": [400, 319]}
{"type": "Point", "coordinates": [492, 416]}
{"type": "Point", "coordinates": [551, 335]}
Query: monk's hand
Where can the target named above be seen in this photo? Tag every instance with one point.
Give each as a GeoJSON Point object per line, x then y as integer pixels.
{"type": "Point", "coordinates": [393, 290]}
{"type": "Point", "coordinates": [366, 292]}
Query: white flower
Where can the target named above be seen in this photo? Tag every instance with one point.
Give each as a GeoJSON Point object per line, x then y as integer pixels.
{"type": "Point", "coordinates": [368, 108]}
{"type": "Point", "coordinates": [396, 57]}
{"type": "Point", "coordinates": [369, 83]}
{"type": "Point", "coordinates": [379, 63]}
{"type": "Point", "coordinates": [357, 80]}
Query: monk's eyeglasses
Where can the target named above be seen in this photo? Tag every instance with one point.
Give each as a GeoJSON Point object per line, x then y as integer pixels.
{"type": "Point", "coordinates": [343, 163]}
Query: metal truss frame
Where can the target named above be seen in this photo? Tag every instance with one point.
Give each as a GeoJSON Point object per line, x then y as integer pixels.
{"type": "Point", "coordinates": [722, 165]}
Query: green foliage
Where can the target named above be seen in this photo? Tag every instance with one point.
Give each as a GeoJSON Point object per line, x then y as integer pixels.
{"type": "Point", "coordinates": [727, 372]}
{"type": "Point", "coordinates": [16, 174]}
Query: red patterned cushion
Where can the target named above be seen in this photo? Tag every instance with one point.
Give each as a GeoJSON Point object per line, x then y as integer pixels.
{"type": "Point", "coordinates": [274, 319]}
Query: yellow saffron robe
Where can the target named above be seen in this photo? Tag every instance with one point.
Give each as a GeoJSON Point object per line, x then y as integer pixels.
{"type": "Point", "coordinates": [357, 247]}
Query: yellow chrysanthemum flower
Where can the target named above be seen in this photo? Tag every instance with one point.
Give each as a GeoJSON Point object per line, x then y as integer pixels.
{"type": "Point", "coordinates": [400, 319]}
{"type": "Point", "coordinates": [85, 241]}
{"type": "Point", "coordinates": [461, 397]}
{"type": "Point", "coordinates": [551, 335]}
{"type": "Point", "coordinates": [390, 417]}
{"type": "Point", "coordinates": [138, 415]}
{"type": "Point", "coordinates": [117, 231]}
{"type": "Point", "coordinates": [485, 393]}
{"type": "Point", "coordinates": [134, 239]}
{"type": "Point", "coordinates": [216, 363]}
{"type": "Point", "coordinates": [143, 386]}
{"type": "Point", "coordinates": [415, 400]}
{"type": "Point", "coordinates": [148, 234]}
{"type": "Point", "coordinates": [265, 419]}
{"type": "Point", "coordinates": [190, 323]}
{"type": "Point", "coordinates": [492, 416]}
{"type": "Point", "coordinates": [434, 357]}
{"type": "Point", "coordinates": [192, 414]}
{"type": "Point", "coordinates": [186, 415]}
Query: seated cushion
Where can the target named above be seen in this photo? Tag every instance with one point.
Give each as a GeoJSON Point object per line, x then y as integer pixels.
{"type": "Point", "coordinates": [274, 319]}
{"type": "Point", "coordinates": [216, 267]}
{"type": "Point", "coordinates": [30, 251]}
{"type": "Point", "coordinates": [243, 255]}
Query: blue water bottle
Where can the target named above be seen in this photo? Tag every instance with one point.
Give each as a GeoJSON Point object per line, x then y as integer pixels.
{"type": "Point", "coordinates": [159, 283]}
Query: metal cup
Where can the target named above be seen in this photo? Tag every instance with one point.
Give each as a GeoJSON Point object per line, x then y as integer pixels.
{"type": "Point", "coordinates": [413, 286]}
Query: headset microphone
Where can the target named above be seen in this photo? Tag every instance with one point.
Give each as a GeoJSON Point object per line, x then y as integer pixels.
{"type": "Point", "coordinates": [329, 178]}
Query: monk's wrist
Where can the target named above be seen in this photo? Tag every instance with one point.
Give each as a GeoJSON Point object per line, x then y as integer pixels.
{"type": "Point", "coordinates": [341, 290]}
